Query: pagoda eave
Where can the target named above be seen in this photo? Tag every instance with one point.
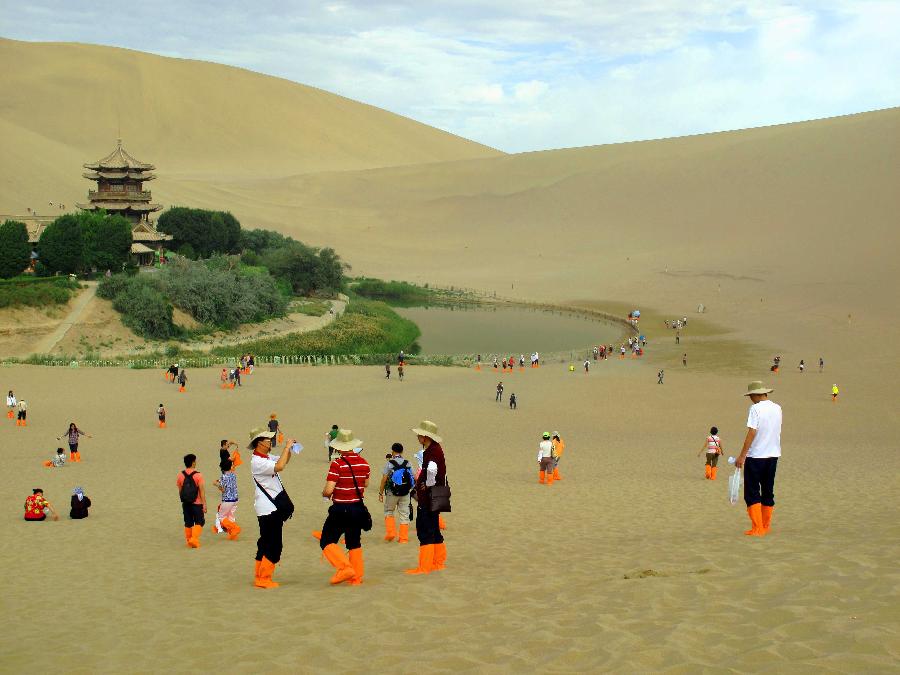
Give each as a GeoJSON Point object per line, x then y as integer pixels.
{"type": "Point", "coordinates": [118, 175]}
{"type": "Point", "coordinates": [119, 206]}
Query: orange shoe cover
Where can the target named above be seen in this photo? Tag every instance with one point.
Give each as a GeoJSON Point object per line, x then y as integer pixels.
{"type": "Point", "coordinates": [338, 560]}
{"type": "Point", "coordinates": [442, 524]}
{"type": "Point", "coordinates": [194, 541]}
{"type": "Point", "coordinates": [755, 513]}
{"type": "Point", "coordinates": [317, 534]}
{"type": "Point", "coordinates": [426, 560]}
{"type": "Point", "coordinates": [708, 469]}
{"type": "Point", "coordinates": [264, 578]}
{"type": "Point", "coordinates": [767, 518]}
{"type": "Point", "coordinates": [440, 556]}
{"type": "Point", "coordinates": [542, 477]}
{"type": "Point", "coordinates": [187, 535]}
{"type": "Point", "coordinates": [549, 478]}
{"type": "Point", "coordinates": [232, 528]}
{"type": "Point", "coordinates": [359, 566]}
{"type": "Point", "coordinates": [390, 528]}
{"type": "Point", "coordinates": [712, 472]}
{"type": "Point", "coordinates": [556, 475]}
{"type": "Point", "coordinates": [404, 534]}
{"type": "Point", "coordinates": [48, 463]}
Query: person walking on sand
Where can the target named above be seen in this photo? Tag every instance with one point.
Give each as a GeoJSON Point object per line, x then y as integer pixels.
{"type": "Point", "coordinates": [432, 549]}
{"type": "Point", "coordinates": [79, 505]}
{"type": "Point", "coordinates": [22, 413]}
{"type": "Point", "coordinates": [345, 484]}
{"type": "Point", "coordinates": [275, 428]}
{"type": "Point", "coordinates": [713, 448]}
{"type": "Point", "coordinates": [192, 493]}
{"type": "Point", "coordinates": [659, 376]}
{"type": "Point", "coordinates": [499, 396]}
{"type": "Point", "coordinates": [587, 366]}
{"type": "Point", "coordinates": [11, 404]}
{"type": "Point", "coordinates": [545, 460]}
{"type": "Point", "coordinates": [802, 366]}
{"type": "Point", "coordinates": [394, 491]}
{"type": "Point", "coordinates": [513, 401]}
{"type": "Point", "coordinates": [72, 434]}
{"type": "Point", "coordinates": [759, 458]}
{"type": "Point", "coordinates": [387, 370]}
{"type": "Point", "coordinates": [329, 437]}
{"type": "Point", "coordinates": [684, 360]}
{"type": "Point", "coordinates": [834, 393]}
{"type": "Point", "coordinates": [161, 414]}
{"type": "Point", "coordinates": [272, 504]}
{"type": "Point", "coordinates": [821, 365]}
{"type": "Point", "coordinates": [558, 448]}
{"type": "Point", "coordinates": [226, 514]}
{"type": "Point", "coordinates": [182, 380]}
{"type": "Point", "coordinates": [400, 371]}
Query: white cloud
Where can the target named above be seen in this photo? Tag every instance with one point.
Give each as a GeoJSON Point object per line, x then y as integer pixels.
{"type": "Point", "coordinates": [528, 74]}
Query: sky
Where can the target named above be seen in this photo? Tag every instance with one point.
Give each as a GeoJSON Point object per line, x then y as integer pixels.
{"type": "Point", "coordinates": [522, 75]}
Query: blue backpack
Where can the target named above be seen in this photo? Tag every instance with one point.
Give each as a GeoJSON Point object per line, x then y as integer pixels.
{"type": "Point", "coordinates": [401, 480]}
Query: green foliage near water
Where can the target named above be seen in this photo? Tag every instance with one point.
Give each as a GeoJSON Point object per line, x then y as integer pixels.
{"type": "Point", "coordinates": [205, 232]}
{"type": "Point", "coordinates": [366, 327]}
{"type": "Point", "coordinates": [141, 303]}
{"type": "Point", "coordinates": [394, 292]}
{"type": "Point", "coordinates": [36, 291]}
{"type": "Point", "coordinates": [15, 252]}
{"type": "Point", "coordinates": [222, 292]}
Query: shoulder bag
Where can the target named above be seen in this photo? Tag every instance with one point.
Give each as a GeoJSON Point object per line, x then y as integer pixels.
{"type": "Point", "coordinates": [366, 523]}
{"type": "Point", "coordinates": [439, 498]}
{"type": "Point", "coordinates": [283, 504]}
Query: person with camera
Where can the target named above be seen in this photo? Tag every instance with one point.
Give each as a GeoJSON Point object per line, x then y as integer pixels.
{"type": "Point", "coordinates": [432, 550]}
{"type": "Point", "coordinates": [394, 491]}
{"type": "Point", "coordinates": [271, 501]}
{"type": "Point", "coordinates": [345, 483]}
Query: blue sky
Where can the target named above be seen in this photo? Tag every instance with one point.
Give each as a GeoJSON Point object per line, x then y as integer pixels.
{"type": "Point", "coordinates": [529, 74]}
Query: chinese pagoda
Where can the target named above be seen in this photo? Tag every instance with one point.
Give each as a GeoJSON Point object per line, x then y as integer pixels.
{"type": "Point", "coordinates": [120, 178]}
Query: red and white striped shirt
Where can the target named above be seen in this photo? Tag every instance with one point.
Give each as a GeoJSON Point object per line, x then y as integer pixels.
{"type": "Point", "coordinates": [712, 445]}
{"type": "Point", "coordinates": [339, 473]}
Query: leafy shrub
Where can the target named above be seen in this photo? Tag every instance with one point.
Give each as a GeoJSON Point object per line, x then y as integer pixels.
{"type": "Point", "coordinates": [36, 292]}
{"type": "Point", "coordinates": [61, 247]}
{"type": "Point", "coordinates": [144, 309]}
{"type": "Point", "coordinates": [308, 270]}
{"type": "Point", "coordinates": [15, 252]}
{"type": "Point", "coordinates": [207, 232]}
{"type": "Point", "coordinates": [399, 292]}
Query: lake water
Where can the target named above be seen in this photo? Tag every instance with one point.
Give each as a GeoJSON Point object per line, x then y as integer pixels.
{"type": "Point", "coordinates": [505, 330]}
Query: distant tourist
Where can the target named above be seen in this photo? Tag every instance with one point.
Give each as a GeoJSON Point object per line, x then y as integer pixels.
{"type": "Point", "coordinates": [558, 448]}
{"type": "Point", "coordinates": [192, 494]}
{"type": "Point", "coordinates": [684, 360]}
{"type": "Point", "coordinates": [821, 364]}
{"type": "Point", "coordinates": [834, 393]}
{"type": "Point", "coordinates": [545, 460]}
{"type": "Point", "coordinates": [275, 428]}
{"type": "Point", "coordinates": [58, 460]}
{"type": "Point", "coordinates": [161, 414]}
{"type": "Point", "coordinates": [79, 505]}
{"type": "Point", "coordinates": [400, 371]}
{"type": "Point", "coordinates": [329, 437]}
{"type": "Point", "coordinates": [182, 380]}
{"type": "Point", "coordinates": [11, 404]}
{"type": "Point", "coordinates": [513, 401]}
{"type": "Point", "coordinates": [22, 413]}
{"type": "Point", "coordinates": [72, 434]}
{"type": "Point", "coordinates": [499, 396]}
{"type": "Point", "coordinates": [587, 366]}
{"type": "Point", "coordinates": [713, 448]}
{"type": "Point", "coordinates": [802, 366]}
{"type": "Point", "coordinates": [387, 370]}
{"type": "Point", "coordinates": [659, 376]}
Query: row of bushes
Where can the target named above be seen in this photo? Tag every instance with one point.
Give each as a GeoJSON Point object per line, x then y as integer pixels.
{"type": "Point", "coordinates": [36, 292]}
{"type": "Point", "coordinates": [219, 293]}
{"type": "Point", "coordinates": [366, 327]}
{"type": "Point", "coordinates": [395, 292]}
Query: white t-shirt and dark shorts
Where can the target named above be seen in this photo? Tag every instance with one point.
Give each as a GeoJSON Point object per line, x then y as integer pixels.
{"type": "Point", "coordinates": [269, 544]}
{"type": "Point", "coordinates": [762, 458]}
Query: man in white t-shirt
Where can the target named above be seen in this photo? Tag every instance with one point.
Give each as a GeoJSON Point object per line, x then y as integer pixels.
{"type": "Point", "coordinates": [759, 458]}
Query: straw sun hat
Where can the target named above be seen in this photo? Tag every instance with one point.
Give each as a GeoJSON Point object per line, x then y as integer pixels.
{"type": "Point", "coordinates": [259, 432]}
{"type": "Point", "coordinates": [756, 387]}
{"type": "Point", "coordinates": [345, 441]}
{"type": "Point", "coordinates": [428, 429]}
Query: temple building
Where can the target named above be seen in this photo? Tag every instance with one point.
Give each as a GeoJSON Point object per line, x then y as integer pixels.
{"type": "Point", "coordinates": [120, 189]}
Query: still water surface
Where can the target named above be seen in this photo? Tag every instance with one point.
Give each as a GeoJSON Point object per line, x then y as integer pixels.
{"type": "Point", "coordinates": [505, 330]}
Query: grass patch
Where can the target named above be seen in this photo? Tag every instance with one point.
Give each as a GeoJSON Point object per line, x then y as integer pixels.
{"type": "Point", "coordinates": [36, 291]}
{"type": "Point", "coordinates": [310, 307]}
{"type": "Point", "coordinates": [365, 327]}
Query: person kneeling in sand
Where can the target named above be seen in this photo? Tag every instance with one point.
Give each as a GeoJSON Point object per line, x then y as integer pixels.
{"type": "Point", "coordinates": [59, 459]}
{"type": "Point", "coordinates": [38, 508]}
{"type": "Point", "coordinates": [80, 504]}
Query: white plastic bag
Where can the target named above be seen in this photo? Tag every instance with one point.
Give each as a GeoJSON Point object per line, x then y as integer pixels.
{"type": "Point", "coordinates": [734, 487]}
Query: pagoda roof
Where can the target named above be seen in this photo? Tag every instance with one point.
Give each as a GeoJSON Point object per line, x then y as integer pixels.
{"type": "Point", "coordinates": [119, 159]}
{"type": "Point", "coordinates": [119, 206]}
{"type": "Point", "coordinates": [117, 174]}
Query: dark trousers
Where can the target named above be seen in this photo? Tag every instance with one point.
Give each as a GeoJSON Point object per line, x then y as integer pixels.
{"type": "Point", "coordinates": [343, 519]}
{"type": "Point", "coordinates": [193, 515]}
{"type": "Point", "coordinates": [269, 544]}
{"type": "Point", "coordinates": [759, 480]}
{"type": "Point", "coordinates": [428, 528]}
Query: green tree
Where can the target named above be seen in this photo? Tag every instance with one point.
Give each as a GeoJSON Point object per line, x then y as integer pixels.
{"type": "Point", "coordinates": [15, 253]}
{"type": "Point", "coordinates": [207, 232]}
{"type": "Point", "coordinates": [106, 240]}
{"type": "Point", "coordinates": [61, 247]}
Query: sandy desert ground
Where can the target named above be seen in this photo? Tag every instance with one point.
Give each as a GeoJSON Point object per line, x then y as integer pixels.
{"type": "Point", "coordinates": [633, 562]}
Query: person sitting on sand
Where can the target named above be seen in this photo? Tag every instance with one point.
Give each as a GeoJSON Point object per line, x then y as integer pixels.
{"type": "Point", "coordinates": [38, 508]}
{"type": "Point", "coordinates": [80, 505]}
{"type": "Point", "coordinates": [58, 460]}
{"type": "Point", "coordinates": [713, 448]}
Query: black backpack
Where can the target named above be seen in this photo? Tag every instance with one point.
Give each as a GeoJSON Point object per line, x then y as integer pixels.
{"type": "Point", "coordinates": [400, 480]}
{"type": "Point", "coordinates": [189, 489]}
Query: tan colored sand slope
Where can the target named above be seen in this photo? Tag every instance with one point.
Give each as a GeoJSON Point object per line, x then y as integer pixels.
{"type": "Point", "coordinates": [64, 105]}
{"type": "Point", "coordinates": [633, 563]}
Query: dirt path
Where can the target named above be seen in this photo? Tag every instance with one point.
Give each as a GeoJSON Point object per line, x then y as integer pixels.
{"type": "Point", "coordinates": [46, 345]}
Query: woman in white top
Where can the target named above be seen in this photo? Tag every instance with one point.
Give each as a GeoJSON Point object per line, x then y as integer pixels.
{"type": "Point", "coordinates": [265, 469]}
{"type": "Point", "coordinates": [11, 404]}
{"type": "Point", "coordinates": [713, 448]}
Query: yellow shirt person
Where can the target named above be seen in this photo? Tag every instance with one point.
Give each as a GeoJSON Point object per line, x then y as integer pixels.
{"type": "Point", "coordinates": [558, 449]}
